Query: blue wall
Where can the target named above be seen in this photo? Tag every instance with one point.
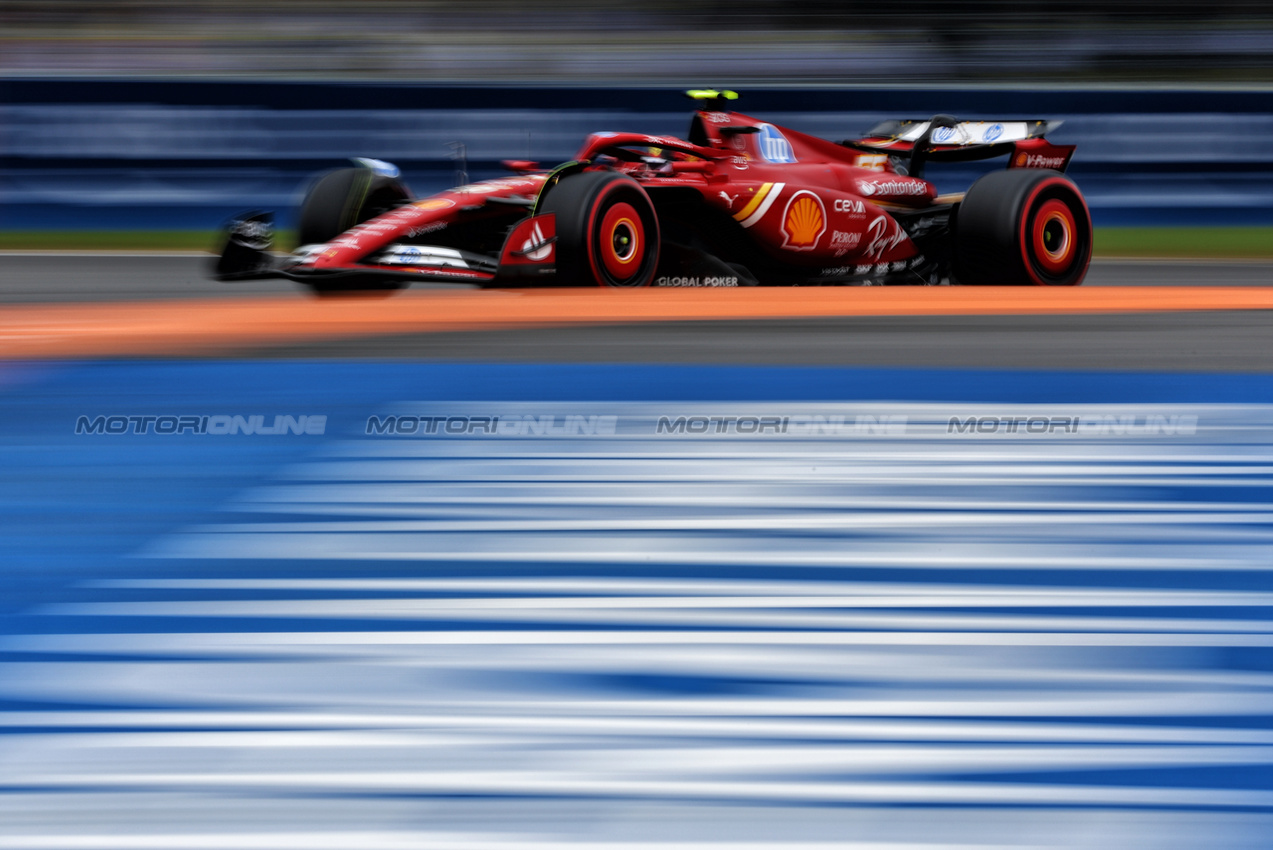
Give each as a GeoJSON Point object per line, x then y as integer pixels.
{"type": "Point", "coordinates": [146, 154]}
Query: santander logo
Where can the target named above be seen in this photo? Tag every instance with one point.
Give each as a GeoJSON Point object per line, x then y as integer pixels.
{"type": "Point", "coordinates": [914, 188]}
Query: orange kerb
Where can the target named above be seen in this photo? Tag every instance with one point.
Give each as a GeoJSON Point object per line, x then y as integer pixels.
{"type": "Point", "coordinates": [214, 326]}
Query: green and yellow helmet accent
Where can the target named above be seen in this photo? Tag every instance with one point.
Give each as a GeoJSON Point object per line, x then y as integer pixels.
{"type": "Point", "coordinates": [711, 95]}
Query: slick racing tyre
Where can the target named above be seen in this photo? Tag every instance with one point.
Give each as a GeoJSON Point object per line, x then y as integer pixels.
{"type": "Point", "coordinates": [1023, 227]}
{"type": "Point", "coordinates": [607, 232]}
{"type": "Point", "coordinates": [345, 197]}
{"type": "Point", "coordinates": [337, 201]}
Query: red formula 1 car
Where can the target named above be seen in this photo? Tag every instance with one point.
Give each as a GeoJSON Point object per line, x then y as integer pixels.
{"type": "Point", "coordinates": [738, 202]}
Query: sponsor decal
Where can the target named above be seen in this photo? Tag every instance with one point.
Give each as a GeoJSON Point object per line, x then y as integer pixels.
{"type": "Point", "coordinates": [943, 135]}
{"type": "Point", "coordinates": [755, 208]}
{"type": "Point", "coordinates": [434, 204]}
{"type": "Point", "coordinates": [841, 239]}
{"type": "Point", "coordinates": [431, 227]}
{"type": "Point", "coordinates": [849, 206]}
{"type": "Point", "coordinates": [1030, 160]}
{"type": "Point", "coordinates": [993, 132]}
{"type": "Point", "coordinates": [537, 248]}
{"type": "Point", "coordinates": [738, 143]}
{"type": "Point", "coordinates": [422, 255]}
{"type": "Point", "coordinates": [739, 162]}
{"type": "Point", "coordinates": [728, 199]}
{"type": "Point", "coordinates": [871, 161]}
{"type": "Point", "coordinates": [217, 425]}
{"type": "Point", "coordinates": [696, 281]}
{"type": "Point", "coordinates": [501, 184]}
{"type": "Point", "coordinates": [648, 141]}
{"type": "Point", "coordinates": [804, 222]}
{"type": "Point", "coordinates": [774, 146]}
{"type": "Point", "coordinates": [438, 271]}
{"type": "Point", "coordinates": [885, 235]}
{"type": "Point", "coordinates": [894, 188]}
{"type": "Point", "coordinates": [718, 117]}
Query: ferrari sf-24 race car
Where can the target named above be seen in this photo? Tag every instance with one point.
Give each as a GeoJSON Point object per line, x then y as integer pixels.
{"type": "Point", "coordinates": [738, 202]}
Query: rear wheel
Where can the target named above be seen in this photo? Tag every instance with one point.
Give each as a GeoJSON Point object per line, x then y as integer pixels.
{"type": "Point", "coordinates": [1025, 227]}
{"type": "Point", "coordinates": [607, 232]}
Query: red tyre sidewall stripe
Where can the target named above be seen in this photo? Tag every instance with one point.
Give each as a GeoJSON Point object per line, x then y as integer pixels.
{"type": "Point", "coordinates": [1025, 236]}
{"type": "Point", "coordinates": [615, 216]}
{"type": "Point", "coordinates": [598, 273]}
{"type": "Point", "coordinates": [1054, 210]}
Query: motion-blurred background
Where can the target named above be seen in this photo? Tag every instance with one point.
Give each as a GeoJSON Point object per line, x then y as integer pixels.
{"type": "Point", "coordinates": [146, 124]}
{"type": "Point", "coordinates": [573, 41]}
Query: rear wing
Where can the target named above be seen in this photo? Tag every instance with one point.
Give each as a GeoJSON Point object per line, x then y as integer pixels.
{"type": "Point", "coordinates": [904, 134]}
{"type": "Point", "coordinates": [944, 139]}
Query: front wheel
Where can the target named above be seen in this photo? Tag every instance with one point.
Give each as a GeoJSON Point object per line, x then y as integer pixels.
{"type": "Point", "coordinates": [337, 201]}
{"type": "Point", "coordinates": [607, 232]}
{"type": "Point", "coordinates": [1023, 227]}
{"type": "Point", "coordinates": [340, 199]}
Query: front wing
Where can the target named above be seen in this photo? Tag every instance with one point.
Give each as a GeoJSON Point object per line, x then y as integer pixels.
{"type": "Point", "coordinates": [529, 252]}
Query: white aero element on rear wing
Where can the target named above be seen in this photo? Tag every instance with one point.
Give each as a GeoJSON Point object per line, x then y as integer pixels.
{"type": "Point", "coordinates": [964, 132]}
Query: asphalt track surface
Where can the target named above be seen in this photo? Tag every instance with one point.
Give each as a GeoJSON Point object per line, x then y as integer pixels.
{"type": "Point", "coordinates": [68, 277]}
{"type": "Point", "coordinates": [1172, 338]}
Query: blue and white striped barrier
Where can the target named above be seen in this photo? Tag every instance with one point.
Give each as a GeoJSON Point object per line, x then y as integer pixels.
{"type": "Point", "coordinates": [816, 608]}
{"type": "Point", "coordinates": [107, 161]}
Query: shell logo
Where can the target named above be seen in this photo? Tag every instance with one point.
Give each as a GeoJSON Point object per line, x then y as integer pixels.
{"type": "Point", "coordinates": [1021, 159]}
{"type": "Point", "coordinates": [804, 222]}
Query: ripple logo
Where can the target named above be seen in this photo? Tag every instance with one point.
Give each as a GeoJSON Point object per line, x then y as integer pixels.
{"type": "Point", "coordinates": [804, 222]}
{"type": "Point", "coordinates": [774, 146]}
{"type": "Point", "coordinates": [993, 132]}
